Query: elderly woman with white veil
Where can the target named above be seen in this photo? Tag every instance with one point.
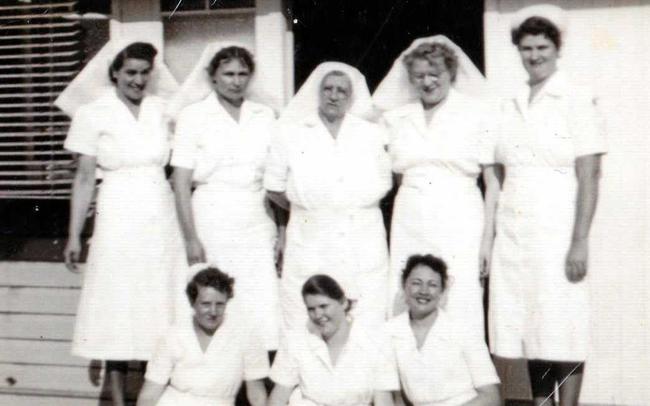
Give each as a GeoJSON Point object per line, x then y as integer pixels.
{"type": "Point", "coordinates": [329, 162]}
{"type": "Point", "coordinates": [135, 260]}
{"type": "Point", "coordinates": [221, 143]}
{"type": "Point", "coordinates": [440, 145]}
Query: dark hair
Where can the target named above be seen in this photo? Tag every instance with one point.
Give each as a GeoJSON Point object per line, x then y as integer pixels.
{"type": "Point", "coordinates": [210, 277]}
{"type": "Point", "coordinates": [429, 52]}
{"type": "Point", "coordinates": [537, 26]}
{"type": "Point", "coordinates": [434, 263]}
{"type": "Point", "coordinates": [326, 286]}
{"type": "Point", "coordinates": [136, 50]}
{"type": "Point", "coordinates": [228, 53]}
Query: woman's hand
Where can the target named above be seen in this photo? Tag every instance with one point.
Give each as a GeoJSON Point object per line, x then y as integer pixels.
{"type": "Point", "coordinates": [194, 251]}
{"type": "Point", "coordinates": [71, 253]}
{"type": "Point", "coordinates": [485, 258]}
{"type": "Point", "coordinates": [576, 260]}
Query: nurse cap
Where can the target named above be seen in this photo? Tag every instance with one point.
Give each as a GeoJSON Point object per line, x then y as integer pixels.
{"type": "Point", "coordinates": [198, 84]}
{"type": "Point", "coordinates": [395, 90]}
{"type": "Point", "coordinates": [305, 102]}
{"type": "Point", "coordinates": [93, 81]}
{"type": "Point", "coordinates": [552, 13]}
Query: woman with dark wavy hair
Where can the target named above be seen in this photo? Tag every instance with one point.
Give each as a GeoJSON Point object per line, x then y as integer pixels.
{"type": "Point", "coordinates": [135, 262]}
{"type": "Point", "coordinates": [551, 146]}
{"type": "Point", "coordinates": [203, 362]}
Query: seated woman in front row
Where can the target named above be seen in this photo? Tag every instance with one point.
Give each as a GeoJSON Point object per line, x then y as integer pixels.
{"type": "Point", "coordinates": [333, 360]}
{"type": "Point", "coordinates": [440, 361]}
{"type": "Point", "coordinates": [202, 362]}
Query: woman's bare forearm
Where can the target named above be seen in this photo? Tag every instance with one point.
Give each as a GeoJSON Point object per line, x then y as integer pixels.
{"type": "Point", "coordinates": [588, 174]}
{"type": "Point", "coordinates": [83, 187]}
{"type": "Point", "coordinates": [182, 179]}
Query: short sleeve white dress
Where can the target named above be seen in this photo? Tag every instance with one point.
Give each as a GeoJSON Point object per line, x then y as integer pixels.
{"type": "Point", "coordinates": [135, 266]}
{"type": "Point", "coordinates": [336, 226]}
{"type": "Point", "coordinates": [535, 312]}
{"type": "Point", "coordinates": [364, 366]}
{"type": "Point", "coordinates": [230, 212]}
{"type": "Point", "coordinates": [236, 353]}
{"type": "Point", "coordinates": [439, 208]}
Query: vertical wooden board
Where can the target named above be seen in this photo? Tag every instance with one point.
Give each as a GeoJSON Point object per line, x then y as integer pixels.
{"type": "Point", "coordinates": [36, 326]}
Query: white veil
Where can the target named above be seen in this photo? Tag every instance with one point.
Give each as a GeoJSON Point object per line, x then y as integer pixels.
{"type": "Point", "coordinates": [395, 90]}
{"type": "Point", "coordinates": [93, 81]}
{"type": "Point", "coordinates": [198, 84]}
{"type": "Point", "coordinates": [305, 102]}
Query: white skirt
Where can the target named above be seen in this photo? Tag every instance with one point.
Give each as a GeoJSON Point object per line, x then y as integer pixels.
{"type": "Point", "coordinates": [135, 268]}
{"type": "Point", "coordinates": [238, 236]}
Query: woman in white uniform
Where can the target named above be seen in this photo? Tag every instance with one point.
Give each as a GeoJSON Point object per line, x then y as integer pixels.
{"type": "Point", "coordinates": [331, 164]}
{"type": "Point", "coordinates": [440, 143]}
{"type": "Point", "coordinates": [334, 361]}
{"type": "Point", "coordinates": [440, 362]}
{"type": "Point", "coordinates": [220, 146]}
{"type": "Point", "coordinates": [203, 362]}
{"type": "Point", "coordinates": [550, 145]}
{"type": "Point", "coordinates": [136, 253]}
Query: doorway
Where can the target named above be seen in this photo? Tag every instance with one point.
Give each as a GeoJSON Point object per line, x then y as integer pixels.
{"type": "Point", "coordinates": [370, 34]}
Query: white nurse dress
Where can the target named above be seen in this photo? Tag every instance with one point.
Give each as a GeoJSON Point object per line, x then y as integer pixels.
{"type": "Point", "coordinates": [446, 371]}
{"type": "Point", "coordinates": [231, 218]}
{"type": "Point", "coordinates": [535, 312]}
{"type": "Point", "coordinates": [439, 208]}
{"type": "Point", "coordinates": [336, 226]}
{"type": "Point", "coordinates": [135, 266]}
{"type": "Point", "coordinates": [363, 367]}
{"type": "Point", "coordinates": [192, 377]}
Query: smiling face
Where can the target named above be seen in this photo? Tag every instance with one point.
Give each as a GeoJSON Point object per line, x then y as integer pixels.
{"type": "Point", "coordinates": [423, 290]}
{"type": "Point", "coordinates": [231, 79]}
{"type": "Point", "coordinates": [326, 313]}
{"type": "Point", "coordinates": [539, 56]}
{"type": "Point", "coordinates": [132, 78]}
{"type": "Point", "coordinates": [335, 96]}
{"type": "Point", "coordinates": [431, 79]}
{"type": "Point", "coordinates": [209, 308]}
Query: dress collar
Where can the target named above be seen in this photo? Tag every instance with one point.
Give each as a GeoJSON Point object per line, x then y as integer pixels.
{"type": "Point", "coordinates": [439, 330]}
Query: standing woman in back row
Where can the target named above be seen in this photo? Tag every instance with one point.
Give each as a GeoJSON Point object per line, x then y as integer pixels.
{"type": "Point", "coordinates": [550, 145]}
{"type": "Point", "coordinates": [330, 163]}
{"type": "Point", "coordinates": [440, 144]}
{"type": "Point", "coordinates": [221, 143]}
{"type": "Point", "coordinates": [135, 260]}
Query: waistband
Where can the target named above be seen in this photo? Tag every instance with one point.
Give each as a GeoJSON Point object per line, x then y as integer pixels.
{"type": "Point", "coordinates": [203, 399]}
